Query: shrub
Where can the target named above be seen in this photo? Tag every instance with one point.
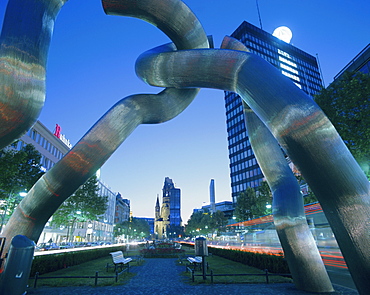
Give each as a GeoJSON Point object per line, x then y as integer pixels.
{"type": "Point", "coordinates": [273, 263]}
{"type": "Point", "coordinates": [52, 262]}
{"type": "Point", "coordinates": [161, 250]}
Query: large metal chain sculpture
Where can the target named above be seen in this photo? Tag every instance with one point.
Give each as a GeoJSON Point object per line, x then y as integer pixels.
{"type": "Point", "coordinates": [297, 123]}
{"type": "Point", "coordinates": [288, 209]}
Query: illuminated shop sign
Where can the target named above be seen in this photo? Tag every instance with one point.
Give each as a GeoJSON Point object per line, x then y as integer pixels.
{"type": "Point", "coordinates": [61, 136]}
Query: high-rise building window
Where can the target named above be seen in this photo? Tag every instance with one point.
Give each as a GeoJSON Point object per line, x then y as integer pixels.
{"type": "Point", "coordinates": [297, 65]}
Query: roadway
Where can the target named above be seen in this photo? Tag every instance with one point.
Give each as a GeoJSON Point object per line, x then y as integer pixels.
{"type": "Point", "coordinates": [337, 268]}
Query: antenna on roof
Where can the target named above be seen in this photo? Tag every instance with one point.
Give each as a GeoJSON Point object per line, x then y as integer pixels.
{"type": "Point", "coordinates": [259, 15]}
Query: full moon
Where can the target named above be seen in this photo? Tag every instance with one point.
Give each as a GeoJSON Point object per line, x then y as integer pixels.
{"type": "Point", "coordinates": [283, 33]}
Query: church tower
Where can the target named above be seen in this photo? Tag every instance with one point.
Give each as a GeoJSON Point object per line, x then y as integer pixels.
{"type": "Point", "coordinates": [157, 219]}
{"type": "Point", "coordinates": [168, 216]}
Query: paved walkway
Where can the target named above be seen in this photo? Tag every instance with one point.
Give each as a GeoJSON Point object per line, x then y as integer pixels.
{"type": "Point", "coordinates": [162, 276]}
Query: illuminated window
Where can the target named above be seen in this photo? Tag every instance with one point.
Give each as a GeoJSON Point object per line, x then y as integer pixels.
{"type": "Point", "coordinates": [289, 68]}
{"type": "Point", "coordinates": [283, 53]}
{"type": "Point", "coordinates": [287, 61]}
{"type": "Point", "coordinates": [299, 86]}
{"type": "Point", "coordinates": [289, 75]}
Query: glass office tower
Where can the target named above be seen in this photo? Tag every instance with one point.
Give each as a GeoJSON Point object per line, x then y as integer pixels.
{"type": "Point", "coordinates": [301, 67]}
{"type": "Point", "coordinates": [171, 202]}
{"type": "Point", "coordinates": [175, 207]}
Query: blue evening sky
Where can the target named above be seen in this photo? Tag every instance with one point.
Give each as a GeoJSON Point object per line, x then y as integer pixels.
{"type": "Point", "coordinates": [91, 67]}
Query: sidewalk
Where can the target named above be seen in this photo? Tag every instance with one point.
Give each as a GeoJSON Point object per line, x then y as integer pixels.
{"type": "Point", "coordinates": [162, 276]}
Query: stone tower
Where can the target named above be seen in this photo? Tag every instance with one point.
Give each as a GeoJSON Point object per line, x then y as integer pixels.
{"type": "Point", "coordinates": [168, 215]}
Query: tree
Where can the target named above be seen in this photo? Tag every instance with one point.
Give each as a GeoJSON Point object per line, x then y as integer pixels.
{"type": "Point", "coordinates": [174, 231]}
{"type": "Point", "coordinates": [19, 172]}
{"type": "Point", "coordinates": [195, 222]}
{"type": "Point", "coordinates": [133, 229]}
{"type": "Point", "coordinates": [85, 204]}
{"type": "Point", "coordinates": [244, 205]}
{"type": "Point", "coordinates": [140, 227]}
{"type": "Point", "coordinates": [263, 198]}
{"type": "Point", "coordinates": [346, 102]}
{"type": "Point", "coordinates": [203, 222]}
{"type": "Point", "coordinates": [219, 220]}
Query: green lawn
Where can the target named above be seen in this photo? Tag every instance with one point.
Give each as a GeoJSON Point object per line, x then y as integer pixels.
{"type": "Point", "coordinates": [221, 265]}
{"type": "Point", "coordinates": [85, 269]}
{"type": "Point", "coordinates": [218, 264]}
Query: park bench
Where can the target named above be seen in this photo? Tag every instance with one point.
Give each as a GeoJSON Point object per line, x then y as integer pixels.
{"type": "Point", "coordinates": [195, 262]}
{"type": "Point", "coordinates": [119, 260]}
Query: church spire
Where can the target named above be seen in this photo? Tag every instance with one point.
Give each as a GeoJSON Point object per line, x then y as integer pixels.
{"type": "Point", "coordinates": [157, 204]}
{"type": "Point", "coordinates": [157, 209]}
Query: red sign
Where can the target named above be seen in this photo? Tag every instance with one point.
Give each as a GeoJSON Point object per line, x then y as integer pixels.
{"type": "Point", "coordinates": [57, 131]}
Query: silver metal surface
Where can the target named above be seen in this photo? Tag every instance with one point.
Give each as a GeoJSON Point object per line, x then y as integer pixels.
{"type": "Point", "coordinates": [300, 250]}
{"type": "Point", "coordinates": [303, 257]}
{"type": "Point", "coordinates": [24, 44]}
{"type": "Point", "coordinates": [298, 124]}
{"type": "Point", "coordinates": [98, 144]}
{"type": "Point", "coordinates": [177, 21]}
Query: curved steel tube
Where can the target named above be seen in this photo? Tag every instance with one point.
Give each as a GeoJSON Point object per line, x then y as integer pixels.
{"type": "Point", "coordinates": [303, 257]}
{"type": "Point", "coordinates": [300, 250]}
{"type": "Point", "coordinates": [177, 21]}
{"type": "Point", "coordinates": [295, 120]}
{"type": "Point", "coordinates": [24, 44]}
{"type": "Point", "coordinates": [298, 124]}
{"type": "Point", "coordinates": [99, 143]}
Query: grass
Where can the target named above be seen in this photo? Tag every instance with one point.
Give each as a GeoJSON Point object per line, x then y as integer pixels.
{"type": "Point", "coordinates": [220, 265]}
{"type": "Point", "coordinates": [85, 269]}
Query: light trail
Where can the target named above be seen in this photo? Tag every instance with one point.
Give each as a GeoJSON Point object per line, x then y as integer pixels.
{"type": "Point", "coordinates": [331, 257]}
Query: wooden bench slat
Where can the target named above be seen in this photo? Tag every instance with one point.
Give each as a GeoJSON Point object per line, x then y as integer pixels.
{"type": "Point", "coordinates": [118, 258]}
{"type": "Point", "coordinates": [197, 259]}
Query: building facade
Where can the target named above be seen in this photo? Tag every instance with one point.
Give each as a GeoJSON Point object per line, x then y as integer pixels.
{"type": "Point", "coordinates": [301, 67]}
{"type": "Point", "coordinates": [53, 146]}
{"type": "Point", "coordinates": [224, 206]}
{"type": "Point", "coordinates": [122, 211]}
{"type": "Point", "coordinates": [360, 63]}
{"type": "Point", "coordinates": [167, 222]}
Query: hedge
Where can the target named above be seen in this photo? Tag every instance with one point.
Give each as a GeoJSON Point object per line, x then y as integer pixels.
{"type": "Point", "coordinates": [273, 263]}
{"type": "Point", "coordinates": [52, 262]}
